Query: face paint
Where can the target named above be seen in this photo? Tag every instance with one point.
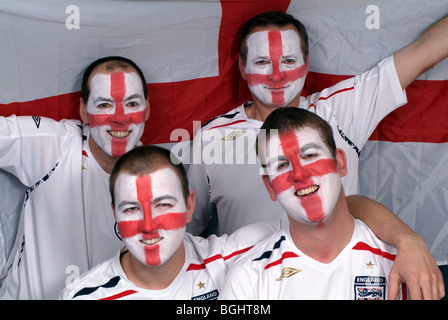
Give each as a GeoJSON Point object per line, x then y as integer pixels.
{"type": "Point", "coordinates": [275, 69]}
{"type": "Point", "coordinates": [303, 175]}
{"type": "Point", "coordinates": [116, 111]}
{"type": "Point", "coordinates": [151, 215]}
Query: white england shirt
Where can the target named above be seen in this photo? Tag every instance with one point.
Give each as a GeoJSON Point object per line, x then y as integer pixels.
{"type": "Point", "coordinates": [66, 225]}
{"type": "Point", "coordinates": [227, 181]}
{"type": "Point", "coordinates": [276, 269]}
{"type": "Point", "coordinates": [201, 277]}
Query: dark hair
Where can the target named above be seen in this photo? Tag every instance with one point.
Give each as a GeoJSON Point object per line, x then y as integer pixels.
{"type": "Point", "coordinates": [291, 118]}
{"type": "Point", "coordinates": [113, 62]}
{"type": "Point", "coordinates": [144, 160]}
{"type": "Point", "coordinates": [273, 18]}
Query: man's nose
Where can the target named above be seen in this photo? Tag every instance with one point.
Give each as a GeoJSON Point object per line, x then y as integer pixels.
{"type": "Point", "coordinates": [148, 223]}
{"type": "Point", "coordinates": [299, 172]}
{"type": "Point", "coordinates": [276, 74]}
{"type": "Point", "coordinates": [119, 115]}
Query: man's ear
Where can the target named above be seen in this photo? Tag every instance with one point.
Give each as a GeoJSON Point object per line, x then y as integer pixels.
{"type": "Point", "coordinates": [83, 111]}
{"type": "Point", "coordinates": [268, 186]}
{"type": "Point", "coordinates": [147, 112]}
{"type": "Point", "coordinates": [241, 67]}
{"type": "Point", "coordinates": [113, 210]}
{"type": "Point", "coordinates": [190, 205]}
{"type": "Point", "coordinates": [341, 162]}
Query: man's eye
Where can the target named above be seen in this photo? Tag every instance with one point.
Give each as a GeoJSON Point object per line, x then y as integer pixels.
{"type": "Point", "coordinates": [282, 165]}
{"type": "Point", "coordinates": [164, 206]}
{"type": "Point", "coordinates": [130, 210]}
{"type": "Point", "coordinates": [132, 104]}
{"type": "Point", "coordinates": [309, 156]}
{"type": "Point", "coordinates": [104, 105]}
{"type": "Point", "coordinates": [262, 62]}
{"type": "Point", "coordinates": [288, 61]}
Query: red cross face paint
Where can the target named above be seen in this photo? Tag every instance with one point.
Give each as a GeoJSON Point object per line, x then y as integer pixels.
{"type": "Point", "coordinates": [116, 111]}
{"type": "Point", "coordinates": [303, 175]}
{"type": "Point", "coordinates": [151, 215]}
{"type": "Point", "coordinates": [275, 69]}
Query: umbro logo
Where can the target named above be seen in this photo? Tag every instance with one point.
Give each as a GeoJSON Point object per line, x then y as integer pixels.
{"type": "Point", "coordinates": [36, 121]}
{"type": "Point", "coordinates": [288, 272]}
{"type": "Point", "coordinates": [234, 135]}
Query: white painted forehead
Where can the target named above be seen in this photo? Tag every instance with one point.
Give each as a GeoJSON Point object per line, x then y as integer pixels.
{"type": "Point", "coordinates": [303, 135]}
{"type": "Point", "coordinates": [260, 39]}
{"type": "Point", "coordinates": [167, 176]}
{"type": "Point", "coordinates": [104, 79]}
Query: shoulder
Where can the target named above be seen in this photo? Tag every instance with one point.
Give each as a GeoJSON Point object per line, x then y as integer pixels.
{"type": "Point", "coordinates": [265, 253]}
{"type": "Point", "coordinates": [234, 116]}
{"type": "Point", "coordinates": [245, 276]}
{"type": "Point", "coordinates": [366, 240]}
{"type": "Point", "coordinates": [103, 275]}
{"type": "Point", "coordinates": [385, 69]}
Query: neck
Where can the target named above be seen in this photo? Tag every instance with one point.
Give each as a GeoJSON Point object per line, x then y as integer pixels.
{"type": "Point", "coordinates": [153, 278]}
{"type": "Point", "coordinates": [325, 241]}
{"type": "Point", "coordinates": [105, 161]}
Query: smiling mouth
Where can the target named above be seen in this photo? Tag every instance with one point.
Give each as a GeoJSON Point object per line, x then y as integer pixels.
{"type": "Point", "coordinates": [307, 191]}
{"type": "Point", "coordinates": [119, 134]}
{"type": "Point", "coordinates": [277, 88]}
{"type": "Point", "coordinates": [151, 242]}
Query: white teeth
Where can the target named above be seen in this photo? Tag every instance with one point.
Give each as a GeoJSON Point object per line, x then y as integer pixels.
{"type": "Point", "coordinates": [119, 134]}
{"type": "Point", "coordinates": [307, 191]}
{"type": "Point", "coordinates": [151, 242]}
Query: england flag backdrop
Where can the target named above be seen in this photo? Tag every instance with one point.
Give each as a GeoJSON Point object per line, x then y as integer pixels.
{"type": "Point", "coordinates": [188, 51]}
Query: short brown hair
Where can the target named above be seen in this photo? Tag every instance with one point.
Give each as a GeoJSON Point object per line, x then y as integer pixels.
{"type": "Point", "coordinates": [144, 160]}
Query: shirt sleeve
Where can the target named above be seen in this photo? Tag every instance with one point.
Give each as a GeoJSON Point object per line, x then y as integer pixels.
{"type": "Point", "coordinates": [200, 184]}
{"type": "Point", "coordinates": [361, 102]}
{"type": "Point", "coordinates": [239, 283]}
{"type": "Point", "coordinates": [30, 146]}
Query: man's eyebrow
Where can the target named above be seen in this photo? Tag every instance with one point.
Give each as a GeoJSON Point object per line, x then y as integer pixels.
{"type": "Point", "coordinates": [124, 203]}
{"type": "Point", "coordinates": [164, 197]}
{"type": "Point", "coordinates": [310, 145]}
{"type": "Point", "coordinates": [262, 57]}
{"type": "Point", "coordinates": [302, 150]}
{"type": "Point", "coordinates": [133, 96]}
{"type": "Point", "coordinates": [98, 99]}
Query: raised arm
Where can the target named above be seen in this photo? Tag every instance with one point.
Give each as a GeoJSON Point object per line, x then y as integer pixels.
{"type": "Point", "coordinates": [414, 263]}
{"type": "Point", "coordinates": [423, 54]}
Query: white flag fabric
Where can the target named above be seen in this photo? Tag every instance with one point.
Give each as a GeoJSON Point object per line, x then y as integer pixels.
{"type": "Point", "coordinates": [188, 51]}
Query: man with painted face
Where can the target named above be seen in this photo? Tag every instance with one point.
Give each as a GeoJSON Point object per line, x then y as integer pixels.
{"type": "Point", "coordinates": [274, 60]}
{"type": "Point", "coordinates": [65, 227]}
{"type": "Point", "coordinates": [152, 205]}
{"type": "Point", "coordinates": [323, 253]}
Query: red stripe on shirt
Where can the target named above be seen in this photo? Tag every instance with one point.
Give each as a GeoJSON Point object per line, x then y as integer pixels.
{"type": "Point", "coordinates": [284, 256]}
{"type": "Point", "coordinates": [227, 124]}
{"type": "Point", "coordinates": [331, 95]}
{"type": "Point", "coordinates": [120, 295]}
{"type": "Point", "coordinates": [199, 266]}
{"type": "Point", "coordinates": [365, 247]}
{"type": "Point", "coordinates": [422, 119]}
